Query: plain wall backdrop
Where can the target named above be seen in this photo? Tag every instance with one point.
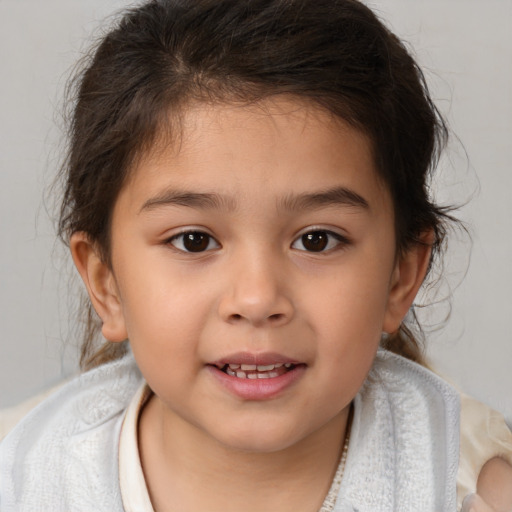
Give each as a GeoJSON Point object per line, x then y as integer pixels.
{"type": "Point", "coordinates": [465, 47]}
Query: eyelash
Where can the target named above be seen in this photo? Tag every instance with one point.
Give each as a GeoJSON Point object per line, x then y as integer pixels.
{"type": "Point", "coordinates": [325, 240]}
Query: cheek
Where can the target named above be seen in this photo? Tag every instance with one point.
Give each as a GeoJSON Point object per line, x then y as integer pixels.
{"type": "Point", "coordinates": [347, 319]}
{"type": "Point", "coordinates": [350, 303]}
{"type": "Point", "coordinates": [164, 315]}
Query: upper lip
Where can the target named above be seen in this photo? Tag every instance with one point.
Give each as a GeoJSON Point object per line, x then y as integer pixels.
{"type": "Point", "coordinates": [261, 359]}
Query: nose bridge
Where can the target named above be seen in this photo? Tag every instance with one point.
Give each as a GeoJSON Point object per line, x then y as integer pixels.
{"type": "Point", "coordinates": [256, 292]}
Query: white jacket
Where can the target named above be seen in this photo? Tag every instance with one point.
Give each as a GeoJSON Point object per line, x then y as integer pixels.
{"type": "Point", "coordinates": [403, 453]}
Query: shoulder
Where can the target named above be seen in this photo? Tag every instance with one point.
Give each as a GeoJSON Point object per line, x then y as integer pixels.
{"type": "Point", "coordinates": [67, 443]}
{"type": "Point", "coordinates": [404, 443]}
{"type": "Point", "coordinates": [484, 435]}
{"type": "Point", "coordinates": [472, 432]}
{"type": "Point", "coordinates": [11, 416]}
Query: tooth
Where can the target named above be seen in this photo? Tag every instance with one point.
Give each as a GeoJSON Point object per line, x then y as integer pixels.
{"type": "Point", "coordinates": [263, 376]}
{"type": "Point", "coordinates": [234, 366]}
{"type": "Point", "coordinates": [252, 375]}
{"type": "Point", "coordinates": [229, 371]}
{"type": "Point", "coordinates": [278, 365]}
{"type": "Point", "coordinates": [287, 365]}
{"type": "Point", "coordinates": [241, 375]}
{"type": "Point", "coordinates": [271, 375]}
{"type": "Point", "coordinates": [265, 368]}
{"type": "Point", "coordinates": [246, 367]}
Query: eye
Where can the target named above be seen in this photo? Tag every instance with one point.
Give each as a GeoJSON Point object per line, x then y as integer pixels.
{"type": "Point", "coordinates": [318, 241]}
{"type": "Point", "coordinates": [194, 241]}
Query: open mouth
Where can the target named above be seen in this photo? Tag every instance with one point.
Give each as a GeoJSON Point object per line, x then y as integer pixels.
{"type": "Point", "coordinates": [253, 371]}
{"type": "Point", "coordinates": [257, 376]}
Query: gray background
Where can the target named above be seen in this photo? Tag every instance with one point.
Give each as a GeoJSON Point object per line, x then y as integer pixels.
{"type": "Point", "coordinates": [465, 47]}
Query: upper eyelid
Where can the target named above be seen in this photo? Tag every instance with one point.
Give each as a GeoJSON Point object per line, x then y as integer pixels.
{"type": "Point", "coordinates": [193, 229]}
{"type": "Point", "coordinates": [312, 229]}
{"type": "Point", "coordinates": [187, 231]}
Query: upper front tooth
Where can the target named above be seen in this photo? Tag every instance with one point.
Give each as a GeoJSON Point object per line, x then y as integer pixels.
{"type": "Point", "coordinates": [246, 367]}
{"type": "Point", "coordinates": [265, 368]}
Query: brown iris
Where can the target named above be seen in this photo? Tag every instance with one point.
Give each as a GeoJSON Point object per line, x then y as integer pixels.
{"type": "Point", "coordinates": [316, 241]}
{"type": "Point", "coordinates": [196, 241]}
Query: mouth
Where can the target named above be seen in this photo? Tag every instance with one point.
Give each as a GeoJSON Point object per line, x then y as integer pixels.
{"type": "Point", "coordinates": [260, 376]}
{"type": "Point", "coordinates": [256, 371]}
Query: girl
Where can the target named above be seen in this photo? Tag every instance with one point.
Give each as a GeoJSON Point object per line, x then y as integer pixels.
{"type": "Point", "coordinates": [247, 203]}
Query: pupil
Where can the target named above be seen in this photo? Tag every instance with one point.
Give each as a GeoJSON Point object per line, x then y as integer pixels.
{"type": "Point", "coordinates": [196, 242]}
{"type": "Point", "coordinates": [316, 241]}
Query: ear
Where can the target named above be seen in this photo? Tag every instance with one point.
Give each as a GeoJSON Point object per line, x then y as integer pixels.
{"type": "Point", "coordinates": [408, 274]}
{"type": "Point", "coordinates": [101, 286]}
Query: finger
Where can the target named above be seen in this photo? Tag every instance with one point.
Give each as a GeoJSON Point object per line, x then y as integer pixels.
{"type": "Point", "coordinates": [474, 503]}
{"type": "Point", "coordinates": [494, 484]}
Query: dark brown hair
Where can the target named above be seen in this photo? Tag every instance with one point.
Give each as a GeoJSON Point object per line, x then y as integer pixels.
{"type": "Point", "coordinates": [165, 54]}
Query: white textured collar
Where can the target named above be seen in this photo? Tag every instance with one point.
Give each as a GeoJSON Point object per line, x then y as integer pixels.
{"type": "Point", "coordinates": [404, 445]}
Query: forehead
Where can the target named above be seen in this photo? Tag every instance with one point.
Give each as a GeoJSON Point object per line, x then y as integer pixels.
{"type": "Point", "coordinates": [278, 146]}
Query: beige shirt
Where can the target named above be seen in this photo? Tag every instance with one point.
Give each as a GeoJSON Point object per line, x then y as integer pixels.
{"type": "Point", "coordinates": [483, 435]}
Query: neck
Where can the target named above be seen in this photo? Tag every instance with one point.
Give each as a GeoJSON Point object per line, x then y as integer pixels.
{"type": "Point", "coordinates": [187, 470]}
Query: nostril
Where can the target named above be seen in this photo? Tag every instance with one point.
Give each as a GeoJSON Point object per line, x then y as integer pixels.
{"type": "Point", "coordinates": [275, 318]}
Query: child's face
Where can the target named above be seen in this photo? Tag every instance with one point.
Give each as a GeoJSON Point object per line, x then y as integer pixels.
{"type": "Point", "coordinates": [247, 284]}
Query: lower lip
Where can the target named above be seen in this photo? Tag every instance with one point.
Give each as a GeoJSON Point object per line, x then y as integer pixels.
{"type": "Point", "coordinates": [258, 389]}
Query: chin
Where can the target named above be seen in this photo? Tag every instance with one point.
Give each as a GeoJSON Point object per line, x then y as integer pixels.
{"type": "Point", "coordinates": [259, 440]}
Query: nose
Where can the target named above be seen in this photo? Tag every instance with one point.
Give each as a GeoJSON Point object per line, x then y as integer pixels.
{"type": "Point", "coordinates": [256, 293]}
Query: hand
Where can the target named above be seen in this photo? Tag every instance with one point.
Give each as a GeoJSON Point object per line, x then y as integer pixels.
{"type": "Point", "coordinates": [494, 488]}
{"type": "Point", "coordinates": [474, 503]}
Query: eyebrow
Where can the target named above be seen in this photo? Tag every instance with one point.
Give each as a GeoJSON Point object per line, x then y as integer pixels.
{"type": "Point", "coordinates": [337, 196]}
{"type": "Point", "coordinates": [203, 200]}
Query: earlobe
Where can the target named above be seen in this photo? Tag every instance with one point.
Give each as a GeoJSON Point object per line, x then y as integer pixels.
{"type": "Point", "coordinates": [101, 286]}
{"type": "Point", "coordinates": [408, 275]}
